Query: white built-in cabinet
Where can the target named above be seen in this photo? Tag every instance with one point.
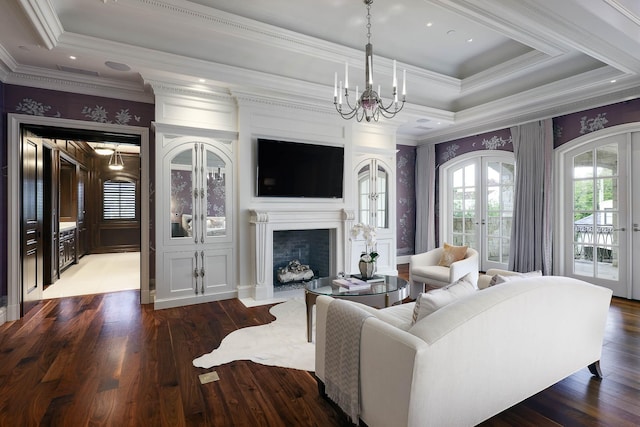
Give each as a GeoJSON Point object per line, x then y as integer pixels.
{"type": "Point", "coordinates": [375, 193]}
{"type": "Point", "coordinates": [195, 261]}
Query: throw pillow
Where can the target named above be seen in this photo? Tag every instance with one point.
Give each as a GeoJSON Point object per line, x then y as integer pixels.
{"type": "Point", "coordinates": [429, 302]}
{"type": "Point", "coordinates": [451, 254]}
{"type": "Point", "coordinates": [498, 278]}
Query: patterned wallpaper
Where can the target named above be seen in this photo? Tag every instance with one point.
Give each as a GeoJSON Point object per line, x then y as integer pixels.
{"type": "Point", "coordinates": [406, 200]}
{"type": "Point", "coordinates": [3, 200]}
{"type": "Point", "coordinates": [52, 103]}
{"type": "Point", "coordinates": [181, 197]}
{"type": "Point", "coordinates": [498, 140]}
{"type": "Point", "coordinates": [572, 126]}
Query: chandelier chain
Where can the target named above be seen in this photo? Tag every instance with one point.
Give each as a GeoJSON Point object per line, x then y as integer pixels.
{"type": "Point", "coordinates": [369, 22]}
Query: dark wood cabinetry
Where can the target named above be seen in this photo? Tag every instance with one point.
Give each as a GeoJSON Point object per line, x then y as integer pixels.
{"type": "Point", "coordinates": [67, 248]}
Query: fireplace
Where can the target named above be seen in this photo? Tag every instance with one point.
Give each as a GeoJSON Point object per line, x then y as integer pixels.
{"type": "Point", "coordinates": [327, 228]}
{"type": "Point", "coordinates": [309, 247]}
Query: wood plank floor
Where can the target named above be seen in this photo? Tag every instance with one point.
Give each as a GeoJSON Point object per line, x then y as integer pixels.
{"type": "Point", "coordinates": [105, 360]}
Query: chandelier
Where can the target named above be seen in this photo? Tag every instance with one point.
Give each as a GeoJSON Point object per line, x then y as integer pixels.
{"type": "Point", "coordinates": [369, 105]}
{"type": "Point", "coordinates": [115, 161]}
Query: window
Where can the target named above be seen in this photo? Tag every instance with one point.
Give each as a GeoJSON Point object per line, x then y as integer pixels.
{"type": "Point", "coordinates": [119, 200]}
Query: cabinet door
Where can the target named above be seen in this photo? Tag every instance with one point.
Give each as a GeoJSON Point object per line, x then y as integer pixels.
{"type": "Point", "coordinates": [217, 271]}
{"type": "Point", "coordinates": [181, 272]}
{"type": "Point", "coordinates": [373, 194]}
{"type": "Point", "coordinates": [181, 195]}
{"type": "Point", "coordinates": [214, 202]}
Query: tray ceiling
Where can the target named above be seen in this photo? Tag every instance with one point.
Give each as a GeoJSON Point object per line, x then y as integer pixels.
{"type": "Point", "coordinates": [471, 65]}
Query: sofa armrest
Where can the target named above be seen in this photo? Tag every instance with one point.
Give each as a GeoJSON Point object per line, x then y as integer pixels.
{"type": "Point", "coordinates": [389, 361]}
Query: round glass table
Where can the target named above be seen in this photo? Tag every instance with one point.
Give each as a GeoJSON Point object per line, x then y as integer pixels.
{"type": "Point", "coordinates": [384, 292]}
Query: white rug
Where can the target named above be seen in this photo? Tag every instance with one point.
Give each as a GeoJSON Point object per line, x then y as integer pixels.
{"type": "Point", "coordinates": [282, 342]}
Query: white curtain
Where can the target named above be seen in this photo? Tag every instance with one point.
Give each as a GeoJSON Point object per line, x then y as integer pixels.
{"type": "Point", "coordinates": [425, 198]}
{"type": "Point", "coordinates": [531, 233]}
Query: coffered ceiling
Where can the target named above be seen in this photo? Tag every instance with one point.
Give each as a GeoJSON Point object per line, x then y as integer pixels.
{"type": "Point", "coordinates": [472, 65]}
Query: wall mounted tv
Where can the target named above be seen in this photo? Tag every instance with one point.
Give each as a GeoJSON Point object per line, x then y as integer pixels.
{"type": "Point", "coordinates": [295, 169]}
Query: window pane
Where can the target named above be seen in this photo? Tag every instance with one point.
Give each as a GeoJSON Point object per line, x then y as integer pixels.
{"type": "Point", "coordinates": [119, 200]}
{"type": "Point", "coordinates": [583, 165]}
{"type": "Point", "coordinates": [583, 195]}
{"type": "Point", "coordinates": [607, 160]}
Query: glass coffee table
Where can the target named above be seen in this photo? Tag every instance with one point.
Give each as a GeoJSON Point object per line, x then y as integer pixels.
{"type": "Point", "coordinates": [384, 293]}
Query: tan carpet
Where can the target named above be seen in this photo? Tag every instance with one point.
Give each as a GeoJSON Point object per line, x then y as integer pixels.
{"type": "Point", "coordinates": [96, 274]}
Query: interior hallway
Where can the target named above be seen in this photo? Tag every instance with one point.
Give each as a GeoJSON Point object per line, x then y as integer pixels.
{"type": "Point", "coordinates": [96, 274]}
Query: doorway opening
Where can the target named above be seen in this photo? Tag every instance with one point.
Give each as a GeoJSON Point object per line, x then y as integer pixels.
{"type": "Point", "coordinates": [75, 196]}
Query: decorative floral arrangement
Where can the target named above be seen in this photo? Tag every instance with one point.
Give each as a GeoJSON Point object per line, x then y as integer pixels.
{"type": "Point", "coordinates": [369, 234]}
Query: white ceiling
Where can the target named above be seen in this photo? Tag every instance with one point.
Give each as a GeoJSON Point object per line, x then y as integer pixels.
{"type": "Point", "coordinates": [529, 59]}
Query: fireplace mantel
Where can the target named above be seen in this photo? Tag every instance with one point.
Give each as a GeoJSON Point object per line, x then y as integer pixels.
{"type": "Point", "coordinates": [265, 222]}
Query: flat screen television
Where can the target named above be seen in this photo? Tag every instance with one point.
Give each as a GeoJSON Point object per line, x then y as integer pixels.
{"type": "Point", "coordinates": [296, 169]}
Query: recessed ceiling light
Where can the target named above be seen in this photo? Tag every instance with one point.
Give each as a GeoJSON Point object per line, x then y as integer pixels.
{"type": "Point", "coordinates": [429, 24]}
{"type": "Point", "coordinates": [117, 66]}
{"type": "Point", "coordinates": [72, 57]}
{"type": "Point", "coordinates": [451, 32]}
{"type": "Point", "coordinates": [201, 80]}
{"type": "Point", "coordinates": [469, 40]}
{"type": "Point", "coordinates": [613, 81]}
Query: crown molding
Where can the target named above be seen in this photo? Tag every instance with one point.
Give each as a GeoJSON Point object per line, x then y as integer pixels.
{"type": "Point", "coordinates": [44, 19]}
{"type": "Point", "coordinates": [505, 71]}
{"type": "Point", "coordinates": [165, 87]}
{"type": "Point", "coordinates": [86, 85]}
{"type": "Point", "coordinates": [587, 90]}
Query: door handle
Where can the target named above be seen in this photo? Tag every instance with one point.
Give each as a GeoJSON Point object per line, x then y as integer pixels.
{"type": "Point", "coordinates": [621, 229]}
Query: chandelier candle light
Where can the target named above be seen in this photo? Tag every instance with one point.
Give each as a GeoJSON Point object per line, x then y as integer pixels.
{"type": "Point", "coordinates": [369, 105]}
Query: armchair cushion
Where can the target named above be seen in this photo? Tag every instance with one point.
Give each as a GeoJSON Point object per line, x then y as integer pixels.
{"type": "Point", "coordinates": [429, 302]}
{"type": "Point", "coordinates": [451, 254]}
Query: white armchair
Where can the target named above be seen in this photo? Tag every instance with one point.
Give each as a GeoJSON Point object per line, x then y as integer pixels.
{"type": "Point", "coordinates": [424, 269]}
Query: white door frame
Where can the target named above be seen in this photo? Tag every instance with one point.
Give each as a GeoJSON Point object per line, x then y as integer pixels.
{"type": "Point", "coordinates": [444, 193]}
{"type": "Point", "coordinates": [560, 245]}
{"type": "Point", "coordinates": [14, 184]}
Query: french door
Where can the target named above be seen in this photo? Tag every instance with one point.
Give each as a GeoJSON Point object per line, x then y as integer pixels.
{"type": "Point", "coordinates": [477, 204]}
{"type": "Point", "coordinates": [602, 217]}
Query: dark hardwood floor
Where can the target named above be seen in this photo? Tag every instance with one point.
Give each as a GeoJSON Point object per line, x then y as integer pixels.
{"type": "Point", "coordinates": [106, 360]}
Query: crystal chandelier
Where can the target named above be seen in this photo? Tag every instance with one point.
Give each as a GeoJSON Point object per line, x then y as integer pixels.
{"type": "Point", "coordinates": [369, 105]}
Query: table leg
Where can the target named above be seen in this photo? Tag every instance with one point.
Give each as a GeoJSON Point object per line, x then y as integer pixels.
{"type": "Point", "coordinates": [310, 301]}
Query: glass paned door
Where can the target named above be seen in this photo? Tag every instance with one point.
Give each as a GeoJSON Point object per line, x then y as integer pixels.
{"type": "Point", "coordinates": [597, 220]}
{"type": "Point", "coordinates": [499, 184]}
{"type": "Point", "coordinates": [464, 215]}
{"type": "Point", "coordinates": [478, 211]}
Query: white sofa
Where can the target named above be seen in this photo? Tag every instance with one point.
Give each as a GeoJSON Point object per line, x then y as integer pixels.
{"type": "Point", "coordinates": [477, 356]}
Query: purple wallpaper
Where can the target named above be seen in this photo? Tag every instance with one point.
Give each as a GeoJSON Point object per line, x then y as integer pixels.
{"type": "Point", "coordinates": [3, 199]}
{"type": "Point", "coordinates": [497, 140]}
{"type": "Point", "coordinates": [51, 103]}
{"type": "Point", "coordinates": [406, 199]}
{"type": "Point", "coordinates": [181, 197]}
{"type": "Point", "coordinates": [571, 126]}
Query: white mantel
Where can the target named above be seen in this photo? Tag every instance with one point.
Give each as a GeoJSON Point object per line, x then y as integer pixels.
{"type": "Point", "coordinates": [265, 222]}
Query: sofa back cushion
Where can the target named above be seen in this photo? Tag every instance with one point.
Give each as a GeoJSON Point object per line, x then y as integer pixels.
{"type": "Point", "coordinates": [502, 278]}
{"type": "Point", "coordinates": [429, 302]}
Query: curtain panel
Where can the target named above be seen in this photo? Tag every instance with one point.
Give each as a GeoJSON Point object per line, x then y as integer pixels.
{"type": "Point", "coordinates": [425, 198]}
{"type": "Point", "coordinates": [531, 232]}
